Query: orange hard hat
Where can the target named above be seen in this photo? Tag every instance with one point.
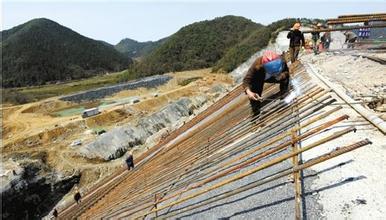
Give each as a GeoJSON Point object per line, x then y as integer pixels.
{"type": "Point", "coordinates": [268, 56]}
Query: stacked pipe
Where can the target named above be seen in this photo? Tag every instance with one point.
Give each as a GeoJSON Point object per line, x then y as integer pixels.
{"type": "Point", "coordinates": [346, 28]}
{"type": "Point", "coordinates": [361, 15]}
{"type": "Point", "coordinates": [357, 18]}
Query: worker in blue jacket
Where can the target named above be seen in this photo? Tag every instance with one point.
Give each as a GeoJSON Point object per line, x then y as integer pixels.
{"type": "Point", "coordinates": [271, 68]}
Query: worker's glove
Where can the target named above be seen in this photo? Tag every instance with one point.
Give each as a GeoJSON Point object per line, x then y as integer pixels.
{"type": "Point", "coordinates": [253, 96]}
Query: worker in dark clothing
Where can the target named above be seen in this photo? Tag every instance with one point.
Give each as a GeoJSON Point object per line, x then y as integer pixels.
{"type": "Point", "coordinates": [271, 68]}
{"type": "Point", "coordinates": [296, 41]}
{"type": "Point", "coordinates": [77, 195]}
{"type": "Point", "coordinates": [315, 36]}
{"type": "Point", "coordinates": [130, 162]}
{"type": "Point", "coordinates": [55, 213]}
{"type": "Point", "coordinates": [351, 37]}
{"type": "Point", "coordinates": [326, 40]}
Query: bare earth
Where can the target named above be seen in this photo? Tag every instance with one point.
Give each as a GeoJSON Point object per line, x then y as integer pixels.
{"type": "Point", "coordinates": [34, 127]}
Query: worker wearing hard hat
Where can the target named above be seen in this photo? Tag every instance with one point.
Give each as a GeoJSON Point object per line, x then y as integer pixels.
{"type": "Point", "coordinates": [271, 68]}
{"type": "Point", "coordinates": [296, 41]}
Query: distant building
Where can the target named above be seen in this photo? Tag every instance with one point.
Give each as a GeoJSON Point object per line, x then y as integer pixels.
{"type": "Point", "coordinates": [90, 112]}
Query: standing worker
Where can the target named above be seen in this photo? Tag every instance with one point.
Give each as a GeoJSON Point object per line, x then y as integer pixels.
{"type": "Point", "coordinates": [271, 68]}
{"type": "Point", "coordinates": [296, 41]}
{"type": "Point", "coordinates": [130, 161]}
{"type": "Point", "coordinates": [366, 32]}
{"type": "Point", "coordinates": [315, 38]}
{"type": "Point", "coordinates": [351, 37]}
{"type": "Point", "coordinates": [77, 195]}
{"type": "Point", "coordinates": [55, 213]}
{"type": "Point", "coordinates": [326, 40]}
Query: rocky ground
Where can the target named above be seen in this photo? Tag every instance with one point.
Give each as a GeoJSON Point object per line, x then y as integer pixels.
{"type": "Point", "coordinates": [361, 78]}
{"type": "Point", "coordinates": [30, 188]}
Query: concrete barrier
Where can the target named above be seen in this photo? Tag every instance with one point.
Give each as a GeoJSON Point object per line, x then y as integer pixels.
{"type": "Point", "coordinates": [99, 93]}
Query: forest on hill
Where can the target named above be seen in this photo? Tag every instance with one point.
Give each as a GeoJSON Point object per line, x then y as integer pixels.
{"type": "Point", "coordinates": [222, 43]}
{"type": "Point", "coordinates": [41, 51]}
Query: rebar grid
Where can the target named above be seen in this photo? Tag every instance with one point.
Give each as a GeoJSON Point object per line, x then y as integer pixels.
{"type": "Point", "coordinates": [205, 155]}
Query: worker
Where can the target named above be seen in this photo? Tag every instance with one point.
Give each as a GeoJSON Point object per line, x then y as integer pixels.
{"type": "Point", "coordinates": [326, 40]}
{"type": "Point", "coordinates": [296, 41]}
{"type": "Point", "coordinates": [77, 195]}
{"type": "Point", "coordinates": [271, 68]}
{"type": "Point", "coordinates": [130, 161]}
{"type": "Point", "coordinates": [315, 36]}
{"type": "Point", "coordinates": [351, 37]}
{"type": "Point", "coordinates": [55, 213]}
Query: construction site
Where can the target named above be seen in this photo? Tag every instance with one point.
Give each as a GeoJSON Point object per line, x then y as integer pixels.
{"type": "Point", "coordinates": [199, 153]}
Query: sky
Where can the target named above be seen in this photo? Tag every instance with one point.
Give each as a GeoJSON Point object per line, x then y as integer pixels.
{"type": "Point", "coordinates": [145, 20]}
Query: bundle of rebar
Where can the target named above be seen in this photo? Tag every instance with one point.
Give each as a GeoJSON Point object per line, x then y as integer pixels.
{"type": "Point", "coordinates": [344, 19]}
{"type": "Point", "coordinates": [346, 28]}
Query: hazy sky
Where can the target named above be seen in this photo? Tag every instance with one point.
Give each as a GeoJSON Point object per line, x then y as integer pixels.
{"type": "Point", "coordinates": [145, 20]}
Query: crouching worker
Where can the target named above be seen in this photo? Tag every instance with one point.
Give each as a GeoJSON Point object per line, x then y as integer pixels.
{"type": "Point", "coordinates": [271, 68]}
{"type": "Point", "coordinates": [351, 37]}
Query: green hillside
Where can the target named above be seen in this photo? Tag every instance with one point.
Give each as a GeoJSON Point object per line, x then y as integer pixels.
{"type": "Point", "coordinates": [256, 41]}
{"type": "Point", "coordinates": [222, 43]}
{"type": "Point", "coordinates": [198, 45]}
{"type": "Point", "coordinates": [135, 49]}
{"type": "Point", "coordinates": [42, 51]}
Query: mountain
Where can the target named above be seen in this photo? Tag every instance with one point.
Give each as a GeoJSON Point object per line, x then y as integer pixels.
{"type": "Point", "coordinates": [135, 49]}
{"type": "Point", "coordinates": [197, 45]}
{"type": "Point", "coordinates": [42, 50]}
{"type": "Point", "coordinates": [256, 41]}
